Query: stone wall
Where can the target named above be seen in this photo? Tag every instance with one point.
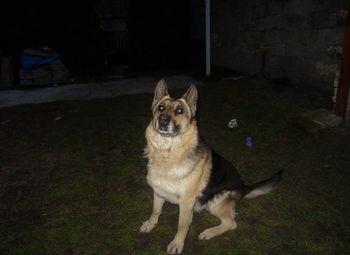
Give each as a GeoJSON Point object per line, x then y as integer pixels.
{"type": "Point", "coordinates": [298, 40]}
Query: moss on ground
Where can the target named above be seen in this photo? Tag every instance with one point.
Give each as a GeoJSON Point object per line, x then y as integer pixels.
{"type": "Point", "coordinates": [76, 185]}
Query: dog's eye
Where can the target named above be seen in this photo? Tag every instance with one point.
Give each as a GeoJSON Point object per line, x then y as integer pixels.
{"type": "Point", "coordinates": [179, 111]}
{"type": "Point", "coordinates": [161, 108]}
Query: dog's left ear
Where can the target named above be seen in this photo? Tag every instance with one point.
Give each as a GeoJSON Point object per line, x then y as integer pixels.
{"type": "Point", "coordinates": [191, 97]}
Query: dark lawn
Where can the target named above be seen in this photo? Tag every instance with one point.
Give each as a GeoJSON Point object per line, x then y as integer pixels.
{"type": "Point", "coordinates": [76, 184]}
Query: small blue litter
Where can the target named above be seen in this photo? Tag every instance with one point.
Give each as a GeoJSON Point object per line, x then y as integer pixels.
{"type": "Point", "coordinates": [249, 141]}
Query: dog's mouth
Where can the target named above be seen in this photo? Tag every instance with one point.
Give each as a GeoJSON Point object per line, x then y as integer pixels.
{"type": "Point", "coordinates": [168, 130]}
{"type": "Point", "coordinates": [166, 133]}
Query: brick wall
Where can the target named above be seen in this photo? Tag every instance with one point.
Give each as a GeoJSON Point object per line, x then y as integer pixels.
{"type": "Point", "coordinates": [300, 40]}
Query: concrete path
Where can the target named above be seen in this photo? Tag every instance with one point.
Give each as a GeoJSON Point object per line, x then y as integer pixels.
{"type": "Point", "coordinates": [89, 90]}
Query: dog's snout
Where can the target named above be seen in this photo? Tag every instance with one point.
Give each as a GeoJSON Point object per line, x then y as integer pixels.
{"type": "Point", "coordinates": [164, 119]}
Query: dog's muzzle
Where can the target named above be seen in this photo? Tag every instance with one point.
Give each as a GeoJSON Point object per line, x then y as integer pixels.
{"type": "Point", "coordinates": [165, 125]}
{"type": "Point", "coordinates": [164, 121]}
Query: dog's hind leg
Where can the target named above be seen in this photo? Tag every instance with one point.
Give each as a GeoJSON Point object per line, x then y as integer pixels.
{"type": "Point", "coordinates": [148, 225]}
{"type": "Point", "coordinates": [224, 210]}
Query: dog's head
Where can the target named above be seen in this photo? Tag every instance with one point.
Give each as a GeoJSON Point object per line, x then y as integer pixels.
{"type": "Point", "coordinates": [171, 116]}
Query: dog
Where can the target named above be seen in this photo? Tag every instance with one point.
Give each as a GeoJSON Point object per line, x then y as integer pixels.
{"type": "Point", "coordinates": [183, 170]}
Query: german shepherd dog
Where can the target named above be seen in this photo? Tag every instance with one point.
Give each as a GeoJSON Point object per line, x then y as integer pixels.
{"type": "Point", "coordinates": [183, 170]}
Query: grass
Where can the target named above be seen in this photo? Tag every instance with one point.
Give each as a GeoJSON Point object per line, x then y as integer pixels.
{"type": "Point", "coordinates": [76, 184]}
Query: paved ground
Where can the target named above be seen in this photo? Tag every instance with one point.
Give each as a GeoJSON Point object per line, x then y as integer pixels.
{"type": "Point", "coordinates": [88, 90]}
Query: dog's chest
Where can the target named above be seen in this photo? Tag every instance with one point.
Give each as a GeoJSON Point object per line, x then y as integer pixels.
{"type": "Point", "coordinates": [169, 183]}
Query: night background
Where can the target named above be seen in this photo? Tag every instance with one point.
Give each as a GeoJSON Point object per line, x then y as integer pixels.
{"type": "Point", "coordinates": [76, 85]}
{"type": "Point", "coordinates": [85, 33]}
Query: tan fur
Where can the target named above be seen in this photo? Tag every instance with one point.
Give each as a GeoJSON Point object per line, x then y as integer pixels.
{"type": "Point", "coordinates": [175, 178]}
{"type": "Point", "coordinates": [178, 174]}
{"type": "Point", "coordinates": [222, 207]}
{"type": "Point", "coordinates": [171, 173]}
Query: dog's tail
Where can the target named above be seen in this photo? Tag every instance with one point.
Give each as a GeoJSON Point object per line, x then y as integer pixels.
{"type": "Point", "coordinates": [263, 187]}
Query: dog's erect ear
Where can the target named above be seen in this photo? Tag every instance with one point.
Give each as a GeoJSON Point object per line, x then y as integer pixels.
{"type": "Point", "coordinates": [160, 92]}
{"type": "Point", "coordinates": [191, 97]}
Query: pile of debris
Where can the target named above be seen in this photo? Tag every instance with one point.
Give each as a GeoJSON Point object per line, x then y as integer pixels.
{"type": "Point", "coordinates": [42, 67]}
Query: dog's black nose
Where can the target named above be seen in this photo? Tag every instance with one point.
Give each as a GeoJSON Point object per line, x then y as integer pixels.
{"type": "Point", "coordinates": [164, 119]}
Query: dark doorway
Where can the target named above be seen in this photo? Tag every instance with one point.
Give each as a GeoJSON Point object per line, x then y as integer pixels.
{"type": "Point", "coordinates": [159, 34]}
{"type": "Point", "coordinates": [95, 36]}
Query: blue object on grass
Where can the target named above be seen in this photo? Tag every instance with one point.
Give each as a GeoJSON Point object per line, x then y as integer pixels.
{"type": "Point", "coordinates": [249, 141]}
{"type": "Point", "coordinates": [29, 60]}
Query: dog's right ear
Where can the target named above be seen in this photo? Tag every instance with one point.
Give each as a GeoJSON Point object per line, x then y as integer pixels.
{"type": "Point", "coordinates": [160, 92]}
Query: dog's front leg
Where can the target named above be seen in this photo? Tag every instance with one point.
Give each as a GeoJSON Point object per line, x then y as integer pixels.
{"type": "Point", "coordinates": [148, 225]}
{"type": "Point", "coordinates": [185, 219]}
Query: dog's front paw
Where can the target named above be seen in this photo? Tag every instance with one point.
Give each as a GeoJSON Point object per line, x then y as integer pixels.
{"type": "Point", "coordinates": [175, 247]}
{"type": "Point", "coordinates": [147, 226]}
